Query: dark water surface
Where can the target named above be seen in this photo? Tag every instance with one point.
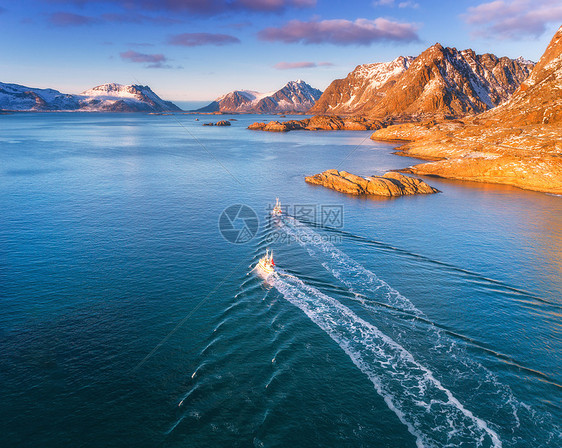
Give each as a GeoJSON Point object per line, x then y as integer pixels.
{"type": "Point", "coordinates": [128, 320]}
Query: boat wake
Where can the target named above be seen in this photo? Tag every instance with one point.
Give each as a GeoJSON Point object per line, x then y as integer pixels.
{"type": "Point", "coordinates": [403, 329]}
{"type": "Point", "coordinates": [359, 280]}
{"type": "Point", "coordinates": [429, 410]}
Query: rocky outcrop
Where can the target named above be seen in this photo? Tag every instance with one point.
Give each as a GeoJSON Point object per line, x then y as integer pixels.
{"type": "Point", "coordinates": [440, 82]}
{"type": "Point", "coordinates": [104, 98]}
{"type": "Point", "coordinates": [320, 123]}
{"type": "Point", "coordinates": [516, 143]}
{"type": "Point", "coordinates": [391, 184]}
{"type": "Point", "coordinates": [295, 96]}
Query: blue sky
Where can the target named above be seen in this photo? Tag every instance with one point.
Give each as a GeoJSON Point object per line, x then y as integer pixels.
{"type": "Point", "coordinates": [198, 50]}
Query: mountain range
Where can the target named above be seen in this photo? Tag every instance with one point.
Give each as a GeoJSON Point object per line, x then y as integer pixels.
{"type": "Point", "coordinates": [516, 143]}
{"type": "Point", "coordinates": [104, 98]}
{"type": "Point", "coordinates": [441, 81]}
{"type": "Point", "coordinates": [295, 96]}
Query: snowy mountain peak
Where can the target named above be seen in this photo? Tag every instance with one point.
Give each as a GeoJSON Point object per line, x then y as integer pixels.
{"type": "Point", "coordinates": [110, 97]}
{"type": "Point", "coordinates": [118, 90]}
{"type": "Point", "coordinates": [295, 96]}
{"type": "Point", "coordinates": [364, 85]}
{"type": "Point", "coordinates": [440, 81]}
{"type": "Point", "coordinates": [522, 60]}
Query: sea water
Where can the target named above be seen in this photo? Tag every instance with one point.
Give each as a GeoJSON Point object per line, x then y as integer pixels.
{"type": "Point", "coordinates": [128, 319]}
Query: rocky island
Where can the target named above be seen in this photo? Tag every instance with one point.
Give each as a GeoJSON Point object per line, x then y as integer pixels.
{"type": "Point", "coordinates": [320, 123]}
{"type": "Point", "coordinates": [391, 184]}
{"type": "Point", "coordinates": [218, 123]}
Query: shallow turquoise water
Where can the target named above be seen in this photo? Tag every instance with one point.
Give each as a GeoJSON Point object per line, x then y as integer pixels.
{"type": "Point", "coordinates": [128, 320]}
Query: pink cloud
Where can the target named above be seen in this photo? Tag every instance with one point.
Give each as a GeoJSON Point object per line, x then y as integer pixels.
{"type": "Point", "coordinates": [70, 19]}
{"type": "Point", "coordinates": [513, 19]}
{"type": "Point", "coordinates": [272, 5]}
{"type": "Point", "coordinates": [137, 18]}
{"type": "Point", "coordinates": [206, 7]}
{"type": "Point", "coordinates": [198, 39]}
{"type": "Point", "coordinates": [303, 64]}
{"type": "Point", "coordinates": [133, 56]}
{"type": "Point", "coordinates": [291, 65]}
{"type": "Point", "coordinates": [341, 32]}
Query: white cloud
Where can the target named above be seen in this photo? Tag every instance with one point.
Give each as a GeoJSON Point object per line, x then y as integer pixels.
{"type": "Point", "coordinates": [513, 19]}
{"type": "Point", "coordinates": [392, 4]}
{"type": "Point", "coordinates": [409, 4]}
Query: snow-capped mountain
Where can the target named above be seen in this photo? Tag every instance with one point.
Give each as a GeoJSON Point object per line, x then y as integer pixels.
{"type": "Point", "coordinates": [440, 81]}
{"type": "Point", "coordinates": [119, 98]}
{"type": "Point", "coordinates": [362, 88]}
{"type": "Point", "coordinates": [295, 96]}
{"type": "Point", "coordinates": [106, 97]}
{"type": "Point", "coordinates": [16, 97]}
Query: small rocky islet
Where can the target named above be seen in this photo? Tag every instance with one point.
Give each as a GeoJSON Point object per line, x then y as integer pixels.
{"type": "Point", "coordinates": [218, 123]}
{"type": "Point", "coordinates": [320, 123]}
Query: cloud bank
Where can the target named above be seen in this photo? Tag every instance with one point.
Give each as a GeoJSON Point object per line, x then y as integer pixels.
{"type": "Point", "coordinates": [198, 39]}
{"type": "Point", "coordinates": [70, 19]}
{"type": "Point", "coordinates": [341, 32]}
{"type": "Point", "coordinates": [203, 7]}
{"type": "Point", "coordinates": [515, 19]}
{"type": "Point", "coordinates": [153, 60]}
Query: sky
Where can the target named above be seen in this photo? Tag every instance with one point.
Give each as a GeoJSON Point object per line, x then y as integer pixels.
{"type": "Point", "coordinates": [197, 50]}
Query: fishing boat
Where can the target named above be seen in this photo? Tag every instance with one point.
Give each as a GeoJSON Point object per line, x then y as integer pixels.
{"type": "Point", "coordinates": [266, 265]}
{"type": "Point", "coordinates": [277, 209]}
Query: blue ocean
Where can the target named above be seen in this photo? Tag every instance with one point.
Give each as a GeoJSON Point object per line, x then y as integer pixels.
{"type": "Point", "coordinates": [131, 314]}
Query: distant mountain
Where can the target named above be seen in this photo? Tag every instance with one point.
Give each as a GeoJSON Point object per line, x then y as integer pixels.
{"type": "Point", "coordinates": [440, 81]}
{"type": "Point", "coordinates": [104, 98]}
{"type": "Point", "coordinates": [295, 96]}
{"type": "Point", "coordinates": [120, 98]}
{"type": "Point", "coordinates": [16, 97]}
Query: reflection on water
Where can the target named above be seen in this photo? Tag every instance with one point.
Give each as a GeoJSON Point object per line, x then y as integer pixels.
{"type": "Point", "coordinates": [109, 239]}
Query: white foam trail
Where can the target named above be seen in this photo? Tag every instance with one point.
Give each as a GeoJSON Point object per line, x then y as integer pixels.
{"type": "Point", "coordinates": [435, 347]}
{"type": "Point", "coordinates": [430, 411]}
{"type": "Point", "coordinates": [352, 274]}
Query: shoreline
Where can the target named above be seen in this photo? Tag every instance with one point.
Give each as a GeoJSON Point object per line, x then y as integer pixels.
{"type": "Point", "coordinates": [525, 172]}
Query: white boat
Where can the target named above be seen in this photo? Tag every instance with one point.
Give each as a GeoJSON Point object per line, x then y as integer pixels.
{"type": "Point", "coordinates": [266, 265]}
{"type": "Point", "coordinates": [277, 209]}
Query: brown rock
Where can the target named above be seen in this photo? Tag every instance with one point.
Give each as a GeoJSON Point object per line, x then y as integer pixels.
{"type": "Point", "coordinates": [391, 184]}
{"type": "Point", "coordinates": [258, 126]}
